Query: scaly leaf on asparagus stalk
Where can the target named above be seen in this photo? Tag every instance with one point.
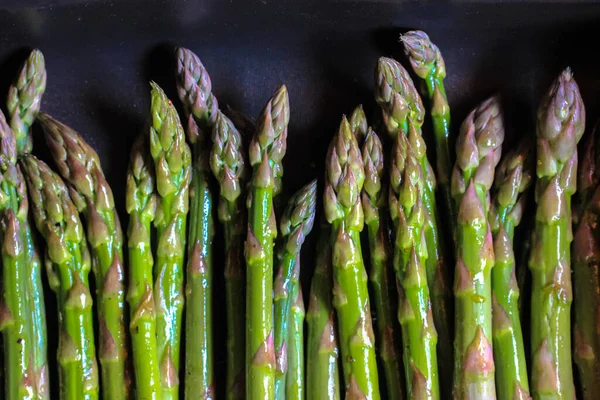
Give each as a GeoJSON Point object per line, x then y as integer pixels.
{"type": "Point", "coordinates": [172, 164]}
{"type": "Point", "coordinates": [267, 149]}
{"type": "Point", "coordinates": [141, 207]}
{"type": "Point", "coordinates": [296, 223]}
{"type": "Point", "coordinates": [80, 166]}
{"type": "Point", "coordinates": [344, 179]}
{"type": "Point", "coordinates": [375, 207]}
{"type": "Point", "coordinates": [322, 375]}
{"type": "Point", "coordinates": [68, 265]}
{"type": "Point", "coordinates": [513, 178]}
{"type": "Point", "coordinates": [478, 150]}
{"type": "Point", "coordinates": [419, 336]}
{"type": "Point", "coordinates": [560, 125]}
{"type": "Point", "coordinates": [229, 167]}
{"type": "Point", "coordinates": [25, 98]}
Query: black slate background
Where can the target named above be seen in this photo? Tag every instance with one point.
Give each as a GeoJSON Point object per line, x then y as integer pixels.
{"type": "Point", "coordinates": [101, 54]}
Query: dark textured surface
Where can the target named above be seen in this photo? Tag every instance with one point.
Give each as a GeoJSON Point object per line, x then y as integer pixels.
{"type": "Point", "coordinates": [100, 56]}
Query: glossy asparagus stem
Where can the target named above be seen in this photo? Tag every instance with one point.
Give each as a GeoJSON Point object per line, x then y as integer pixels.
{"type": "Point", "coordinates": [427, 62]}
{"type": "Point", "coordinates": [513, 179]}
{"type": "Point", "coordinates": [294, 384]}
{"type": "Point", "coordinates": [344, 178]}
{"type": "Point", "coordinates": [80, 166]}
{"type": "Point", "coordinates": [296, 223]}
{"type": "Point", "coordinates": [400, 103]}
{"type": "Point", "coordinates": [173, 165]}
{"type": "Point", "coordinates": [229, 167]}
{"type": "Point", "coordinates": [478, 150]}
{"type": "Point", "coordinates": [141, 207]}
{"type": "Point", "coordinates": [267, 149]}
{"type": "Point", "coordinates": [586, 277]}
{"type": "Point", "coordinates": [25, 98]}
{"type": "Point", "coordinates": [322, 354]}
{"type": "Point", "coordinates": [560, 125]}
{"type": "Point", "coordinates": [68, 265]}
{"type": "Point", "coordinates": [375, 207]}
{"type": "Point", "coordinates": [407, 211]}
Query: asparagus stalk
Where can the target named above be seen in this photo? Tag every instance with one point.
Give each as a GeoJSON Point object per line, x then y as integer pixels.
{"type": "Point", "coordinates": [375, 207]}
{"type": "Point", "coordinates": [400, 104]}
{"type": "Point", "coordinates": [172, 163]}
{"type": "Point", "coordinates": [343, 209]}
{"type": "Point", "coordinates": [427, 62]}
{"type": "Point", "coordinates": [229, 167]}
{"type": "Point", "coordinates": [267, 149]}
{"type": "Point", "coordinates": [419, 337]}
{"type": "Point", "coordinates": [586, 296]}
{"type": "Point", "coordinates": [80, 166]}
{"type": "Point", "coordinates": [201, 106]}
{"type": "Point", "coordinates": [295, 378]}
{"type": "Point", "coordinates": [141, 207]}
{"type": "Point", "coordinates": [478, 150]}
{"type": "Point", "coordinates": [25, 98]}
{"type": "Point", "coordinates": [68, 266]}
{"type": "Point", "coordinates": [322, 375]}
{"type": "Point", "coordinates": [513, 178]}
{"type": "Point", "coordinates": [23, 103]}
{"type": "Point", "coordinates": [560, 125]}
{"type": "Point", "coordinates": [296, 223]}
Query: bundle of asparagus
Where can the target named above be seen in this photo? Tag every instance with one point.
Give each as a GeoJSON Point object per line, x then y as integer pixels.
{"type": "Point", "coordinates": [437, 346]}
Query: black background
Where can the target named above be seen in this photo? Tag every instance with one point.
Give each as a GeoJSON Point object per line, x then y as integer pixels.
{"type": "Point", "coordinates": [100, 56]}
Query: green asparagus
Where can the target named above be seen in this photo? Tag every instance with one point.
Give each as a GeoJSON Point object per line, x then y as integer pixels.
{"type": "Point", "coordinates": [419, 336]}
{"type": "Point", "coordinates": [25, 98]}
{"type": "Point", "coordinates": [266, 151]}
{"type": "Point", "coordinates": [296, 223]}
{"type": "Point", "coordinates": [478, 150]}
{"type": "Point", "coordinates": [141, 207]}
{"type": "Point", "coordinates": [173, 170]}
{"type": "Point", "coordinates": [400, 103]}
{"type": "Point", "coordinates": [194, 88]}
{"type": "Point", "coordinates": [229, 167]}
{"type": "Point", "coordinates": [560, 125]}
{"type": "Point", "coordinates": [358, 124]}
{"type": "Point", "coordinates": [513, 178]}
{"type": "Point", "coordinates": [427, 62]}
{"type": "Point", "coordinates": [80, 166]}
{"type": "Point", "coordinates": [68, 265]}
{"type": "Point", "coordinates": [344, 178]}
{"type": "Point", "coordinates": [322, 375]}
{"type": "Point", "coordinates": [375, 207]}
{"type": "Point", "coordinates": [586, 296]}
{"type": "Point", "coordinates": [295, 377]}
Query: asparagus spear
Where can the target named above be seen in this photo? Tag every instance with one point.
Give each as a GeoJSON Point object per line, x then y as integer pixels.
{"type": "Point", "coordinates": [358, 124]}
{"type": "Point", "coordinates": [322, 375]}
{"type": "Point", "coordinates": [375, 207]}
{"type": "Point", "coordinates": [194, 88]}
{"type": "Point", "coordinates": [172, 163]}
{"type": "Point", "coordinates": [478, 150]}
{"type": "Point", "coordinates": [343, 209]}
{"type": "Point", "coordinates": [586, 298]}
{"type": "Point", "coordinates": [296, 223]}
{"type": "Point", "coordinates": [229, 167]}
{"type": "Point", "coordinates": [267, 149]}
{"type": "Point", "coordinates": [419, 337]}
{"type": "Point", "coordinates": [80, 166]}
{"type": "Point", "coordinates": [25, 98]}
{"type": "Point", "coordinates": [295, 378]}
{"type": "Point", "coordinates": [23, 103]}
{"type": "Point", "coordinates": [68, 266]}
{"type": "Point", "coordinates": [141, 207]}
{"type": "Point", "coordinates": [427, 62]}
{"type": "Point", "coordinates": [400, 103]}
{"type": "Point", "coordinates": [560, 125]}
{"type": "Point", "coordinates": [513, 178]}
